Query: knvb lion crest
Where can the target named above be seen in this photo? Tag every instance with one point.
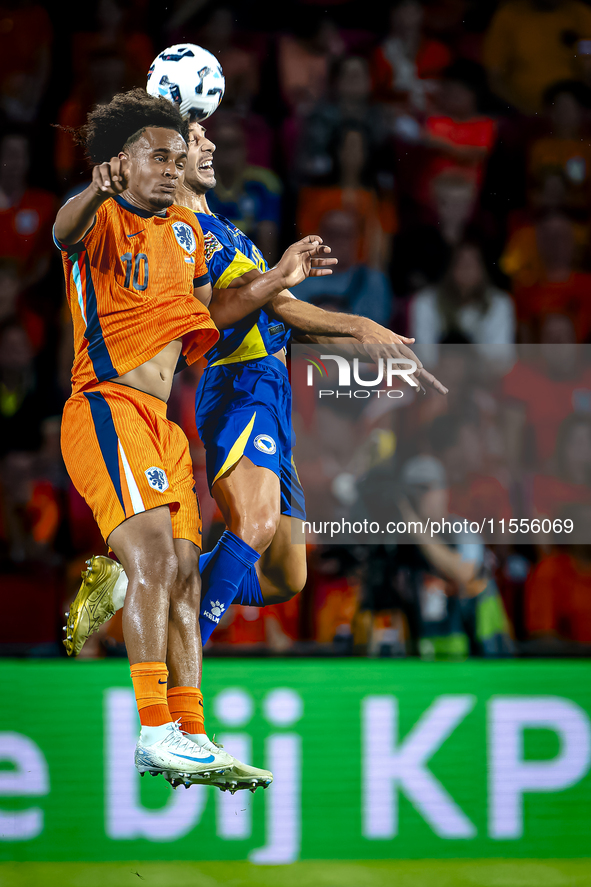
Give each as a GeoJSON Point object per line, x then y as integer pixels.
{"type": "Point", "coordinates": [157, 479]}
{"type": "Point", "coordinates": [185, 236]}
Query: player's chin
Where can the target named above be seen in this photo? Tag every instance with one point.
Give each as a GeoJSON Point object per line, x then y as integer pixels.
{"type": "Point", "coordinates": [206, 179]}
{"type": "Point", "coordinates": [163, 199]}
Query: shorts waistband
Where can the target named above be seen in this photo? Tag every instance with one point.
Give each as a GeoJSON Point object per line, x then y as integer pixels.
{"type": "Point", "coordinates": [153, 403]}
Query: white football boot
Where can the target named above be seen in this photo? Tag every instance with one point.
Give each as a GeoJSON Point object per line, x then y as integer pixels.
{"type": "Point", "coordinates": [240, 776]}
{"type": "Point", "coordinates": [167, 750]}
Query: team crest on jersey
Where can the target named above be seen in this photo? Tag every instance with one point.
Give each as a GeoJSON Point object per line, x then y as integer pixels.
{"type": "Point", "coordinates": [265, 444]}
{"type": "Point", "coordinates": [157, 478]}
{"type": "Point", "coordinates": [185, 236]}
{"type": "Point", "coordinates": [212, 245]}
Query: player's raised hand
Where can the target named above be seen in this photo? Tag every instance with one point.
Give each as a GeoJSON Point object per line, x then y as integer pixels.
{"type": "Point", "coordinates": [306, 258]}
{"type": "Point", "coordinates": [384, 343]}
{"type": "Point", "coordinates": [111, 178]}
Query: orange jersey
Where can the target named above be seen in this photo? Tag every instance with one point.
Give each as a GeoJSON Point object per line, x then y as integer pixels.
{"type": "Point", "coordinates": [129, 284]}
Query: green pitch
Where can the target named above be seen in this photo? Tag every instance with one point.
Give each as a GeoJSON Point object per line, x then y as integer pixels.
{"type": "Point", "coordinates": [398, 873]}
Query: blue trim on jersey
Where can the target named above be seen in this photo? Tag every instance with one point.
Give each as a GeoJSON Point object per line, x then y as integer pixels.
{"type": "Point", "coordinates": [143, 213]}
{"type": "Point", "coordinates": [201, 281]}
{"type": "Point", "coordinates": [71, 247]}
{"type": "Point", "coordinates": [57, 242]}
{"type": "Point", "coordinates": [97, 348]}
{"type": "Point", "coordinates": [107, 437]}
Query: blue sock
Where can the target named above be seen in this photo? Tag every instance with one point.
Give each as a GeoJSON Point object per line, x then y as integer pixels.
{"type": "Point", "coordinates": [250, 594]}
{"type": "Point", "coordinates": [221, 578]}
{"type": "Point", "coordinates": [204, 559]}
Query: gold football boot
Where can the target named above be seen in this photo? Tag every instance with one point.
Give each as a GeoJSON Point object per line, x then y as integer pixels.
{"type": "Point", "coordinates": [93, 605]}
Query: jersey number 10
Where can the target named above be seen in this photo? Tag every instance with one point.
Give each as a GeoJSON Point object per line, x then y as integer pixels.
{"type": "Point", "coordinates": [135, 265]}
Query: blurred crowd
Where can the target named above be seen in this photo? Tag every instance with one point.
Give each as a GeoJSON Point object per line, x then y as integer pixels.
{"type": "Point", "coordinates": [443, 149]}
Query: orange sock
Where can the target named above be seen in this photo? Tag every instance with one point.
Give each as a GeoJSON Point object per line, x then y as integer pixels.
{"type": "Point", "coordinates": [186, 703]}
{"type": "Point", "coordinates": [150, 680]}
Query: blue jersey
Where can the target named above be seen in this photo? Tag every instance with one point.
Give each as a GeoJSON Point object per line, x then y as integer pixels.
{"type": "Point", "coordinates": [229, 254]}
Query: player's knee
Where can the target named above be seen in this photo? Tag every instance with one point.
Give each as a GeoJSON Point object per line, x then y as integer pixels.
{"type": "Point", "coordinates": [186, 588]}
{"type": "Point", "coordinates": [258, 529]}
{"type": "Point", "coordinates": [160, 577]}
{"type": "Point", "coordinates": [188, 565]}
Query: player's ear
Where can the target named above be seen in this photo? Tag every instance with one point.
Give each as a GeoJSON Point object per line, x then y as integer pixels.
{"type": "Point", "coordinates": [123, 155]}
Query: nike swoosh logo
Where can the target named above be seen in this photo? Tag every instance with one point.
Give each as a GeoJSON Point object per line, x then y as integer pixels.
{"type": "Point", "coordinates": [137, 232]}
{"type": "Point", "coordinates": [163, 682]}
{"type": "Point", "coordinates": [207, 760]}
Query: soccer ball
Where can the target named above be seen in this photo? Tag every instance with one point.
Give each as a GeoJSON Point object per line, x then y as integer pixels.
{"type": "Point", "coordinates": [189, 76]}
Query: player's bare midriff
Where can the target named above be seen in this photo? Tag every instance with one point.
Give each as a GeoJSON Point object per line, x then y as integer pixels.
{"type": "Point", "coordinates": [155, 376]}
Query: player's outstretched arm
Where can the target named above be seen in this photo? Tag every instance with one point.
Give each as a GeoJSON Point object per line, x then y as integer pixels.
{"type": "Point", "coordinates": [328, 327]}
{"type": "Point", "coordinates": [306, 258]}
{"type": "Point", "coordinates": [76, 217]}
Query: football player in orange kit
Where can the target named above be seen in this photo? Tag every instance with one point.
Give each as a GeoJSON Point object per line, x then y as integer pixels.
{"type": "Point", "coordinates": [138, 287]}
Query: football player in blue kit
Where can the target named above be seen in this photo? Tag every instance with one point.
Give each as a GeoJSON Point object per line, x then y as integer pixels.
{"type": "Point", "coordinates": [243, 415]}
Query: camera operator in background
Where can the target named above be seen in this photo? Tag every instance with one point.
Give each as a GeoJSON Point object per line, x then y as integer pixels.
{"type": "Point", "coordinates": [445, 589]}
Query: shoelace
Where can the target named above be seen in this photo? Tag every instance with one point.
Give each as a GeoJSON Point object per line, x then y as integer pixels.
{"type": "Point", "coordinates": [176, 738]}
{"type": "Point", "coordinates": [209, 745]}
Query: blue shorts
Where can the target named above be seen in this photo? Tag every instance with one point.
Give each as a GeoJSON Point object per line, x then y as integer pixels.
{"type": "Point", "coordinates": [244, 409]}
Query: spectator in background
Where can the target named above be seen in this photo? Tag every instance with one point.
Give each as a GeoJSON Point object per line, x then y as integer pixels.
{"type": "Point", "coordinates": [568, 478]}
{"type": "Point", "coordinates": [558, 602]}
{"type": "Point", "coordinates": [104, 75]}
{"type": "Point", "coordinates": [24, 402]}
{"type": "Point", "coordinates": [565, 151]}
{"type": "Point", "coordinates": [457, 606]}
{"type": "Point", "coordinates": [26, 214]}
{"type": "Point", "coordinates": [249, 196]}
{"type": "Point", "coordinates": [460, 138]}
{"type": "Point", "coordinates": [352, 191]}
{"type": "Point", "coordinates": [30, 509]}
{"type": "Point", "coordinates": [421, 252]}
{"type": "Point", "coordinates": [348, 103]}
{"type": "Point", "coordinates": [26, 37]}
{"type": "Point", "coordinates": [464, 305]}
{"type": "Point", "coordinates": [531, 44]}
{"type": "Point", "coordinates": [406, 64]}
{"type": "Point", "coordinates": [353, 287]}
{"type": "Point", "coordinates": [240, 67]}
{"type": "Point", "coordinates": [117, 32]}
{"type": "Point", "coordinates": [304, 60]}
{"type": "Point", "coordinates": [546, 279]}
{"type": "Point", "coordinates": [462, 445]}
{"type": "Point", "coordinates": [523, 258]}
{"type": "Point", "coordinates": [13, 306]}
{"type": "Point", "coordinates": [541, 392]}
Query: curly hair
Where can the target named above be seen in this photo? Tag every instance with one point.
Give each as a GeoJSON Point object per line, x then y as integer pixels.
{"type": "Point", "coordinates": [110, 128]}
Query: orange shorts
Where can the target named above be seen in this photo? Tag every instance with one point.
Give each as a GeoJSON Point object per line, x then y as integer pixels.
{"type": "Point", "coordinates": [124, 457]}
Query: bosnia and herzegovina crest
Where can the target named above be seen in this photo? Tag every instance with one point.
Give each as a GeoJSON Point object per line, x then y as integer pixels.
{"type": "Point", "coordinates": [185, 236]}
